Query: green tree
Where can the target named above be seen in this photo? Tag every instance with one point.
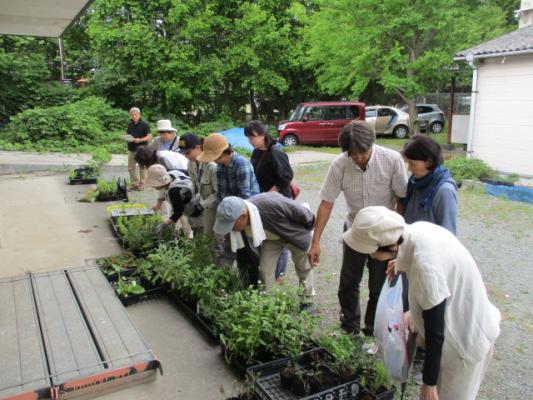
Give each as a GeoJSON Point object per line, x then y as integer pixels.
{"type": "Point", "coordinates": [403, 45]}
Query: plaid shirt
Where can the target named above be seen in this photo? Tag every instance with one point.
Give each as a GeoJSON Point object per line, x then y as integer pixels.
{"type": "Point", "coordinates": [384, 179]}
{"type": "Point", "coordinates": [236, 179]}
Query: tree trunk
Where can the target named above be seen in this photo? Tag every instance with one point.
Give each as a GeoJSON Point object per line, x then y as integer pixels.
{"type": "Point", "coordinates": [414, 129]}
{"type": "Point", "coordinates": [255, 113]}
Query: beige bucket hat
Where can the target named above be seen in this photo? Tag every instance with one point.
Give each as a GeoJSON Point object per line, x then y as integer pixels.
{"type": "Point", "coordinates": [374, 227]}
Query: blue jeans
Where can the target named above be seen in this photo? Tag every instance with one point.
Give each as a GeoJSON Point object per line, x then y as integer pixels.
{"type": "Point", "coordinates": [281, 267]}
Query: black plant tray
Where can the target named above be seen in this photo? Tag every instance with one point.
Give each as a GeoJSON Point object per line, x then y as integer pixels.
{"type": "Point", "coordinates": [151, 292]}
{"type": "Point", "coordinates": [112, 197]}
{"type": "Point", "coordinates": [190, 310]}
{"type": "Point", "coordinates": [267, 384]}
{"type": "Point", "coordinates": [115, 228]}
{"type": "Point", "coordinates": [79, 180]}
{"type": "Point", "coordinates": [240, 366]}
{"type": "Point", "coordinates": [113, 277]}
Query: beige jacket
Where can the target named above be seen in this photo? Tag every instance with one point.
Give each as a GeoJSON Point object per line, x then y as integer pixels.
{"type": "Point", "coordinates": [204, 179]}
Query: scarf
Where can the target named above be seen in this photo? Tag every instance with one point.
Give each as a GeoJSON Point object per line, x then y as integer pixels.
{"type": "Point", "coordinates": [258, 232]}
{"type": "Point", "coordinates": [427, 185]}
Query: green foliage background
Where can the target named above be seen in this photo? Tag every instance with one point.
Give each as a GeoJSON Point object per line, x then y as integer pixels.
{"type": "Point", "coordinates": [204, 64]}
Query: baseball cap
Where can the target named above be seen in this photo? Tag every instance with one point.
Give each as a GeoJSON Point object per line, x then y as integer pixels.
{"type": "Point", "coordinates": [188, 141]}
{"type": "Point", "coordinates": [228, 212]}
{"type": "Point", "coordinates": [374, 227]}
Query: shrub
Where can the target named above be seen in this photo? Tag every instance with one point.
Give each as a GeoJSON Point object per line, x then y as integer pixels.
{"type": "Point", "coordinates": [75, 127]}
{"type": "Point", "coordinates": [220, 124]}
{"type": "Point", "coordinates": [462, 168]}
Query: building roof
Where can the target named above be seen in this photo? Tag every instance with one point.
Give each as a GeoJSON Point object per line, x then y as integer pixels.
{"type": "Point", "coordinates": [48, 18]}
{"type": "Point", "coordinates": [516, 42]}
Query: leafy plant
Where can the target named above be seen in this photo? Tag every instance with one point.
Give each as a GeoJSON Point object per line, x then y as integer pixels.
{"type": "Point", "coordinates": [128, 286]}
{"type": "Point", "coordinates": [117, 263]}
{"type": "Point", "coordinates": [462, 168]}
{"type": "Point", "coordinates": [107, 188]}
{"type": "Point", "coordinates": [254, 324]}
{"type": "Point", "coordinates": [349, 356]}
{"type": "Point", "coordinates": [139, 234]}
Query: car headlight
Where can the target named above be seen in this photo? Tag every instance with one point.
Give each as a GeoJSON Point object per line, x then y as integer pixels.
{"type": "Point", "coordinates": [281, 127]}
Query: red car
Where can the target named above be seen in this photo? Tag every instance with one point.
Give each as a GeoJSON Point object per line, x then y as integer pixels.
{"type": "Point", "coordinates": [319, 122]}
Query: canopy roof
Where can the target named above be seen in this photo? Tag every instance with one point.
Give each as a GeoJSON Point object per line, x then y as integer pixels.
{"type": "Point", "coordinates": [48, 18]}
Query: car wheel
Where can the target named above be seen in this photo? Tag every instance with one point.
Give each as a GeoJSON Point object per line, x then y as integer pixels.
{"type": "Point", "coordinates": [436, 127]}
{"type": "Point", "coordinates": [290, 140]}
{"type": "Point", "coordinates": [400, 131]}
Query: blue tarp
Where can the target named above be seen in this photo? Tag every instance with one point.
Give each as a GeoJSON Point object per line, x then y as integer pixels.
{"type": "Point", "coordinates": [516, 193]}
{"type": "Point", "coordinates": [235, 137]}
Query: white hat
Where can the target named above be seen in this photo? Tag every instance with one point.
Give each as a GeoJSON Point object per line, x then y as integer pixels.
{"type": "Point", "coordinates": [374, 227]}
{"type": "Point", "coordinates": [157, 176]}
{"type": "Point", "coordinates": [164, 125]}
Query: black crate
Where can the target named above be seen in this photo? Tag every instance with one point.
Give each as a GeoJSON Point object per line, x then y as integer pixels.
{"type": "Point", "coordinates": [112, 197]}
{"type": "Point", "coordinates": [267, 384]}
{"type": "Point", "coordinates": [190, 309]}
{"type": "Point", "coordinates": [81, 177]}
{"type": "Point", "coordinates": [240, 366]}
{"type": "Point", "coordinates": [150, 292]}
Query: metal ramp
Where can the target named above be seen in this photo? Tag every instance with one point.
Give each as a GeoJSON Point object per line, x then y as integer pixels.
{"type": "Point", "coordinates": [64, 334]}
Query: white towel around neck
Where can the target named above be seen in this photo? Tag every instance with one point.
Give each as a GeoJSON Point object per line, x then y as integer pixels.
{"type": "Point", "coordinates": [258, 233]}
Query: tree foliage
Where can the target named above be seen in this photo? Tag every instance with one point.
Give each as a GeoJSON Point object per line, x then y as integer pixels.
{"type": "Point", "coordinates": [406, 46]}
{"type": "Point", "coordinates": [198, 58]}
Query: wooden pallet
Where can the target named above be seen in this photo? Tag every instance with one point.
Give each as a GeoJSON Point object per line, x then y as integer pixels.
{"type": "Point", "coordinates": [74, 321]}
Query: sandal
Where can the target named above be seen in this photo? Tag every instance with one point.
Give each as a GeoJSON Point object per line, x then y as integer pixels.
{"type": "Point", "coordinates": [133, 187]}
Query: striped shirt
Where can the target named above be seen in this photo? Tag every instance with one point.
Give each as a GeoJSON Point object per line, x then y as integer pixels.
{"type": "Point", "coordinates": [384, 179]}
{"type": "Point", "coordinates": [236, 179]}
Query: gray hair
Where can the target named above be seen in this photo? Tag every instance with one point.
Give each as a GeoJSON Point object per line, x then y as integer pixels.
{"type": "Point", "coordinates": [356, 135]}
{"type": "Point", "coordinates": [135, 109]}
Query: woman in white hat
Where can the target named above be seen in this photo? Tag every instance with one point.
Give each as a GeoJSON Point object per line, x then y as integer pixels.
{"type": "Point", "coordinates": [449, 304]}
{"type": "Point", "coordinates": [167, 140]}
{"type": "Point", "coordinates": [176, 187]}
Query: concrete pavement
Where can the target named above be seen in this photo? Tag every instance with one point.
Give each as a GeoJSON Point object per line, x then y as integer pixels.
{"type": "Point", "coordinates": [18, 162]}
{"type": "Point", "coordinates": [43, 227]}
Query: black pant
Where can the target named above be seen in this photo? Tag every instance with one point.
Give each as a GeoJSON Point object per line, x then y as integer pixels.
{"type": "Point", "coordinates": [353, 266]}
{"type": "Point", "coordinates": [248, 262]}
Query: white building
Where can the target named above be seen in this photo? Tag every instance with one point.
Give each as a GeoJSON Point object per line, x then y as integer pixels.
{"type": "Point", "coordinates": [500, 130]}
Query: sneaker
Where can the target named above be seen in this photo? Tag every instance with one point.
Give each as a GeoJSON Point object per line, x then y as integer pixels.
{"type": "Point", "coordinates": [370, 348]}
{"type": "Point", "coordinates": [351, 331]}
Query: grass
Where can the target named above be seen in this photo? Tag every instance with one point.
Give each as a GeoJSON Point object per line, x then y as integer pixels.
{"type": "Point", "coordinates": [517, 217]}
{"type": "Point", "coordinates": [321, 149]}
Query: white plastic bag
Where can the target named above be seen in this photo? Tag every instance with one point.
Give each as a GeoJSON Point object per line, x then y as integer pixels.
{"type": "Point", "coordinates": [389, 331]}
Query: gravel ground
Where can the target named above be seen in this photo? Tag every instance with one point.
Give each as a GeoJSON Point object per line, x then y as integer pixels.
{"type": "Point", "coordinates": [498, 234]}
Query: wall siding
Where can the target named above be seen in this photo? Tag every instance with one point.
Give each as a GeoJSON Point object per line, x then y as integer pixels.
{"type": "Point", "coordinates": [503, 126]}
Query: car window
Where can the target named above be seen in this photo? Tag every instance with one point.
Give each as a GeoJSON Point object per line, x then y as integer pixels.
{"type": "Point", "coordinates": [370, 113]}
{"type": "Point", "coordinates": [424, 109]}
{"type": "Point", "coordinates": [353, 112]}
{"type": "Point", "coordinates": [336, 112]}
{"type": "Point", "coordinates": [315, 113]}
{"type": "Point", "coordinates": [384, 112]}
{"type": "Point", "coordinates": [297, 114]}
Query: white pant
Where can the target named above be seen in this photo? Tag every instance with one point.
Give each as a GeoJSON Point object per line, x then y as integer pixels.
{"type": "Point", "coordinates": [463, 380]}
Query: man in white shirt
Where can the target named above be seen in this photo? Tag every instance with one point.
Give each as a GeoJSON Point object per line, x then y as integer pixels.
{"type": "Point", "coordinates": [448, 301]}
{"type": "Point", "coordinates": [367, 175]}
